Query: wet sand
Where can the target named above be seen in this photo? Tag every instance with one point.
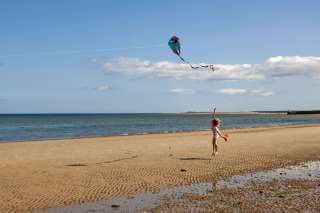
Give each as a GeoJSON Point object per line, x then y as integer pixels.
{"type": "Point", "coordinates": [273, 196]}
{"type": "Point", "coordinates": [290, 189]}
{"type": "Point", "coordinates": [57, 173]}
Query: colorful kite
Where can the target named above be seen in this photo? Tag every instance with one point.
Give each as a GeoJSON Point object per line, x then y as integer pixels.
{"type": "Point", "coordinates": [174, 44]}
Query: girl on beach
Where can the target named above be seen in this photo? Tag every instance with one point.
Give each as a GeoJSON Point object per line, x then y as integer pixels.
{"type": "Point", "coordinates": [215, 123]}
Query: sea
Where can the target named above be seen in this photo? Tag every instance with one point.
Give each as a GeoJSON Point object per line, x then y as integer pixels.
{"type": "Point", "coordinates": [31, 127]}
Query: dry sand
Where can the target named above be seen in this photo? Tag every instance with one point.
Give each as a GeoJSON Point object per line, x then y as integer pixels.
{"type": "Point", "coordinates": [43, 174]}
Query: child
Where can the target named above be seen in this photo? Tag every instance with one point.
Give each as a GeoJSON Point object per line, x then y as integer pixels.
{"type": "Point", "coordinates": [215, 123]}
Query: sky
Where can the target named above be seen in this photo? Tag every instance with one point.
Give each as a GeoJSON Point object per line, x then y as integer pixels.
{"type": "Point", "coordinates": [112, 56]}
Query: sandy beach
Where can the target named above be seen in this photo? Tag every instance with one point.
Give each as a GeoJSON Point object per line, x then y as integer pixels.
{"type": "Point", "coordinates": [48, 174]}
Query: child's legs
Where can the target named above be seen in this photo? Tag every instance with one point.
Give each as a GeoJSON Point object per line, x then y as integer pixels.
{"type": "Point", "coordinates": [214, 145]}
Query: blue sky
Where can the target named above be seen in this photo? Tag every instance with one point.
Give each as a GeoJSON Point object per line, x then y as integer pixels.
{"type": "Point", "coordinates": [112, 56]}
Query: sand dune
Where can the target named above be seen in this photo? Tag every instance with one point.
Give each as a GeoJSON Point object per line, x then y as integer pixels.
{"type": "Point", "coordinates": [43, 174]}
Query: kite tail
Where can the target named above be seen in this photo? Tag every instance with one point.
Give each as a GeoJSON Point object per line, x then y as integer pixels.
{"type": "Point", "coordinates": [188, 63]}
{"type": "Point", "coordinates": [210, 66]}
{"type": "Point", "coordinates": [197, 67]}
{"type": "Point", "coordinates": [182, 59]}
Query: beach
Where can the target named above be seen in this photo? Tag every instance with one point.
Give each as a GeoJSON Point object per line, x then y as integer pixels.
{"type": "Point", "coordinates": [37, 175]}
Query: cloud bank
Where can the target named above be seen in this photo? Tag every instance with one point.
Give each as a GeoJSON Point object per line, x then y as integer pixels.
{"type": "Point", "coordinates": [281, 66]}
{"type": "Point", "coordinates": [180, 91]}
{"type": "Point", "coordinates": [274, 67]}
{"type": "Point", "coordinates": [232, 91]}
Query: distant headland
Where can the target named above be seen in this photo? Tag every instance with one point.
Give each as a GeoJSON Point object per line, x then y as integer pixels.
{"type": "Point", "coordinates": [288, 112]}
{"type": "Point", "coordinates": [303, 112]}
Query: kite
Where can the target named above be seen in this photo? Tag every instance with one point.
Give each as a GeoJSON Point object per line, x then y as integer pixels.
{"type": "Point", "coordinates": [174, 44]}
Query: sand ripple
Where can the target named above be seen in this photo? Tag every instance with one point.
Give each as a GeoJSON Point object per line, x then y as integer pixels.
{"type": "Point", "coordinates": [40, 175]}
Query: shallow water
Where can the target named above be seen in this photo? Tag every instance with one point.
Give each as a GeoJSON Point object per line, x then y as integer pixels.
{"type": "Point", "coordinates": [147, 201]}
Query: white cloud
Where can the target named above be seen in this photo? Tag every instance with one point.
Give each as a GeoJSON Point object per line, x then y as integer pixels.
{"type": "Point", "coordinates": [231, 91]}
{"type": "Point", "coordinates": [280, 66]}
{"type": "Point", "coordinates": [256, 92]}
{"type": "Point", "coordinates": [130, 66]}
{"type": "Point", "coordinates": [264, 94]}
{"type": "Point", "coordinates": [182, 91]}
{"type": "Point", "coordinates": [104, 88]}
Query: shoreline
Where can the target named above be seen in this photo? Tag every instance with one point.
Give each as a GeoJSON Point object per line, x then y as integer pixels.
{"type": "Point", "coordinates": [156, 133]}
{"type": "Point", "coordinates": [57, 173]}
